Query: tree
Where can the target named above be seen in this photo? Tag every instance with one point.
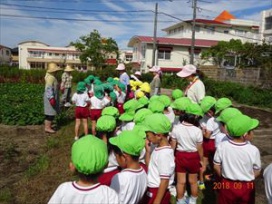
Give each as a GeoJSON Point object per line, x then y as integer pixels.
{"type": "Point", "coordinates": [96, 48]}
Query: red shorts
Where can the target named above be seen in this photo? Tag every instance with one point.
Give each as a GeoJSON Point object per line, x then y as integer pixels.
{"type": "Point", "coordinates": [105, 178]}
{"type": "Point", "coordinates": [95, 114]}
{"type": "Point", "coordinates": [234, 192]}
{"type": "Point", "coordinates": [187, 162]}
{"type": "Point", "coordinates": [151, 193]}
{"type": "Point", "coordinates": [208, 147]}
{"type": "Point", "coordinates": [82, 112]}
{"type": "Point", "coordinates": [119, 106]}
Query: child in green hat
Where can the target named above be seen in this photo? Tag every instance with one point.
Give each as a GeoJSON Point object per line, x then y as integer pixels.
{"type": "Point", "coordinates": [89, 158]}
{"type": "Point", "coordinates": [186, 140]}
{"type": "Point", "coordinates": [237, 162]}
{"type": "Point", "coordinates": [98, 102]}
{"type": "Point", "coordinates": [160, 162]}
{"type": "Point", "coordinates": [130, 184]}
{"type": "Point", "coordinates": [82, 102]}
{"type": "Point", "coordinates": [168, 111]}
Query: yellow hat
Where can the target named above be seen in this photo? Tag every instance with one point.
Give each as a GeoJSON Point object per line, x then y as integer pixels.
{"type": "Point", "coordinates": [52, 67]}
{"type": "Point", "coordinates": [145, 87]}
{"type": "Point", "coordinates": [139, 94]}
{"type": "Point", "coordinates": [68, 68]}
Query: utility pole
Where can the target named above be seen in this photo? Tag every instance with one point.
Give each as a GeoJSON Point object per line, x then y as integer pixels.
{"type": "Point", "coordinates": [155, 35]}
{"type": "Point", "coordinates": [193, 32]}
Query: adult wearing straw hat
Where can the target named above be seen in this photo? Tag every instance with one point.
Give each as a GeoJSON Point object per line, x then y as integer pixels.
{"type": "Point", "coordinates": [66, 86]}
{"type": "Point", "coordinates": [51, 96]}
{"type": "Point", "coordinates": [156, 81]}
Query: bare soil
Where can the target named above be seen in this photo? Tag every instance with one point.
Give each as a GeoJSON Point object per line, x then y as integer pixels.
{"type": "Point", "coordinates": [21, 148]}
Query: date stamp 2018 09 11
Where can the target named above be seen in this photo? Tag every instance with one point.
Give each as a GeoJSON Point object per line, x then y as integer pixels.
{"type": "Point", "coordinates": [233, 185]}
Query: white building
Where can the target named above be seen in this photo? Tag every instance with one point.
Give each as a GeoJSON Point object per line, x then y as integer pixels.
{"type": "Point", "coordinates": [173, 50]}
{"type": "Point", "coordinates": [34, 54]}
{"type": "Point", "coordinates": [266, 26]}
{"type": "Point", "coordinates": [5, 55]}
{"type": "Point", "coordinates": [125, 56]}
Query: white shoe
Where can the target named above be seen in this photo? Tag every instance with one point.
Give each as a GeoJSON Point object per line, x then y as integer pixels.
{"type": "Point", "coordinates": [173, 191]}
{"type": "Point", "coordinates": [67, 104]}
{"type": "Point", "coordinates": [76, 138]}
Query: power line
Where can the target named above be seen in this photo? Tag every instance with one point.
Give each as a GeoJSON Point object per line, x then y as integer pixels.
{"type": "Point", "coordinates": [77, 19]}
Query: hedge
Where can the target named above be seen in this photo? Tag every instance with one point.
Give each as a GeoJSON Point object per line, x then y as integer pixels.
{"type": "Point", "coordinates": [248, 95]}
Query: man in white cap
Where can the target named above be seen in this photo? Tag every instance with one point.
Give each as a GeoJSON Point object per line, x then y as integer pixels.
{"type": "Point", "coordinates": [124, 78]}
{"type": "Point", "coordinates": [196, 89]}
{"type": "Point", "coordinates": [66, 86]}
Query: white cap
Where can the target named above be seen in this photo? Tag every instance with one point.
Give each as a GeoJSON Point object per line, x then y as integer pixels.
{"type": "Point", "coordinates": [121, 67]}
{"type": "Point", "coordinates": [138, 73]}
{"type": "Point", "coordinates": [155, 69]}
{"type": "Point", "coordinates": [187, 70]}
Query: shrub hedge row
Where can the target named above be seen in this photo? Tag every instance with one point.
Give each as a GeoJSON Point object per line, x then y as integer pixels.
{"type": "Point", "coordinates": [248, 95]}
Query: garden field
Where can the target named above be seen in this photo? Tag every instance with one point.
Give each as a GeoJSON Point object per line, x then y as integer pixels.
{"type": "Point", "coordinates": [33, 164]}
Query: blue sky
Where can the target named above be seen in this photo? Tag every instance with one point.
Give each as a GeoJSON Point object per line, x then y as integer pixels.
{"type": "Point", "coordinates": [58, 22]}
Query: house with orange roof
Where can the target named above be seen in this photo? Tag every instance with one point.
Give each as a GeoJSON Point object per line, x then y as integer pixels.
{"type": "Point", "coordinates": [173, 50]}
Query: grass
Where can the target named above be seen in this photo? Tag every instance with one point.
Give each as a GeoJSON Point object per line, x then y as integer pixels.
{"type": "Point", "coordinates": [52, 142]}
{"type": "Point", "coordinates": [5, 195]}
{"type": "Point", "coordinates": [40, 165]}
{"type": "Point", "coordinates": [10, 151]}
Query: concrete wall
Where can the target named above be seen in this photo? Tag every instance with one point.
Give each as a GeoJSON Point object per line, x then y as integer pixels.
{"type": "Point", "coordinates": [246, 76]}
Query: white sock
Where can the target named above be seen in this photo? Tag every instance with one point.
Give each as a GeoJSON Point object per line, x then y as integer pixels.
{"type": "Point", "coordinates": [192, 200]}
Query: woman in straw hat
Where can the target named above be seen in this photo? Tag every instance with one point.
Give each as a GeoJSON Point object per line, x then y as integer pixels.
{"type": "Point", "coordinates": [51, 96]}
{"type": "Point", "coordinates": [66, 86]}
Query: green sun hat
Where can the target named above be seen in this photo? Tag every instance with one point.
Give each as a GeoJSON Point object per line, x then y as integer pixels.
{"type": "Point", "coordinates": [81, 87]}
{"type": "Point", "coordinates": [131, 104]}
{"type": "Point", "coordinates": [111, 111]}
{"type": "Point", "coordinates": [106, 123]}
{"type": "Point", "coordinates": [108, 87]}
{"type": "Point", "coordinates": [122, 86]}
{"type": "Point", "coordinates": [89, 80]}
{"type": "Point", "coordinates": [127, 116]}
{"type": "Point", "coordinates": [207, 103]}
{"type": "Point", "coordinates": [157, 123]}
{"type": "Point", "coordinates": [140, 115]}
{"type": "Point", "coordinates": [110, 79]}
{"type": "Point", "coordinates": [241, 124]}
{"type": "Point", "coordinates": [113, 96]}
{"type": "Point", "coordinates": [89, 155]}
{"type": "Point", "coordinates": [129, 141]}
{"type": "Point", "coordinates": [143, 100]}
{"type": "Point", "coordinates": [221, 104]}
{"type": "Point", "coordinates": [99, 91]}
{"type": "Point", "coordinates": [227, 114]}
{"type": "Point", "coordinates": [177, 93]}
{"type": "Point", "coordinates": [166, 100]}
{"type": "Point", "coordinates": [97, 82]}
{"type": "Point", "coordinates": [194, 109]}
{"type": "Point", "coordinates": [154, 98]}
{"type": "Point", "coordinates": [140, 129]}
{"type": "Point", "coordinates": [156, 106]}
{"type": "Point", "coordinates": [181, 103]}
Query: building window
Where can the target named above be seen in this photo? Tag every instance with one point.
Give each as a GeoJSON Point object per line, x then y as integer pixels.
{"type": "Point", "coordinates": [7, 52]}
{"type": "Point", "coordinates": [268, 23]}
{"type": "Point", "coordinates": [164, 54]}
{"type": "Point", "coordinates": [128, 58]}
{"type": "Point", "coordinates": [226, 31]}
{"type": "Point", "coordinates": [37, 54]}
{"type": "Point", "coordinates": [143, 50]}
{"type": "Point", "coordinates": [197, 28]}
{"type": "Point", "coordinates": [37, 65]}
{"type": "Point", "coordinates": [210, 29]}
{"type": "Point", "coordinates": [135, 53]}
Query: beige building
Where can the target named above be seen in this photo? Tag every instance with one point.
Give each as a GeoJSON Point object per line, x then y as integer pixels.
{"type": "Point", "coordinates": [173, 50]}
{"type": "Point", "coordinates": [266, 26]}
{"type": "Point", "coordinates": [5, 55]}
{"type": "Point", "coordinates": [34, 54]}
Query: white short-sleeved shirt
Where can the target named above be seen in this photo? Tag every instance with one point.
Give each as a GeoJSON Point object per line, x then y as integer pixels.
{"type": "Point", "coordinates": [127, 126]}
{"type": "Point", "coordinates": [161, 166]}
{"type": "Point", "coordinates": [80, 100]}
{"type": "Point", "coordinates": [213, 126]}
{"type": "Point", "coordinates": [97, 103]}
{"type": "Point", "coordinates": [196, 92]}
{"type": "Point", "coordinates": [130, 185]}
{"type": "Point", "coordinates": [238, 160]}
{"type": "Point", "coordinates": [170, 115]}
{"type": "Point", "coordinates": [221, 137]}
{"type": "Point", "coordinates": [268, 183]}
{"type": "Point", "coordinates": [203, 121]}
{"type": "Point", "coordinates": [187, 137]}
{"type": "Point", "coordinates": [121, 97]}
{"type": "Point", "coordinates": [71, 192]}
{"type": "Point", "coordinates": [113, 164]}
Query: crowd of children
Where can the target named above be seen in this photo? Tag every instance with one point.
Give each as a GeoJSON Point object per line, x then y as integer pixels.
{"type": "Point", "coordinates": [141, 147]}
